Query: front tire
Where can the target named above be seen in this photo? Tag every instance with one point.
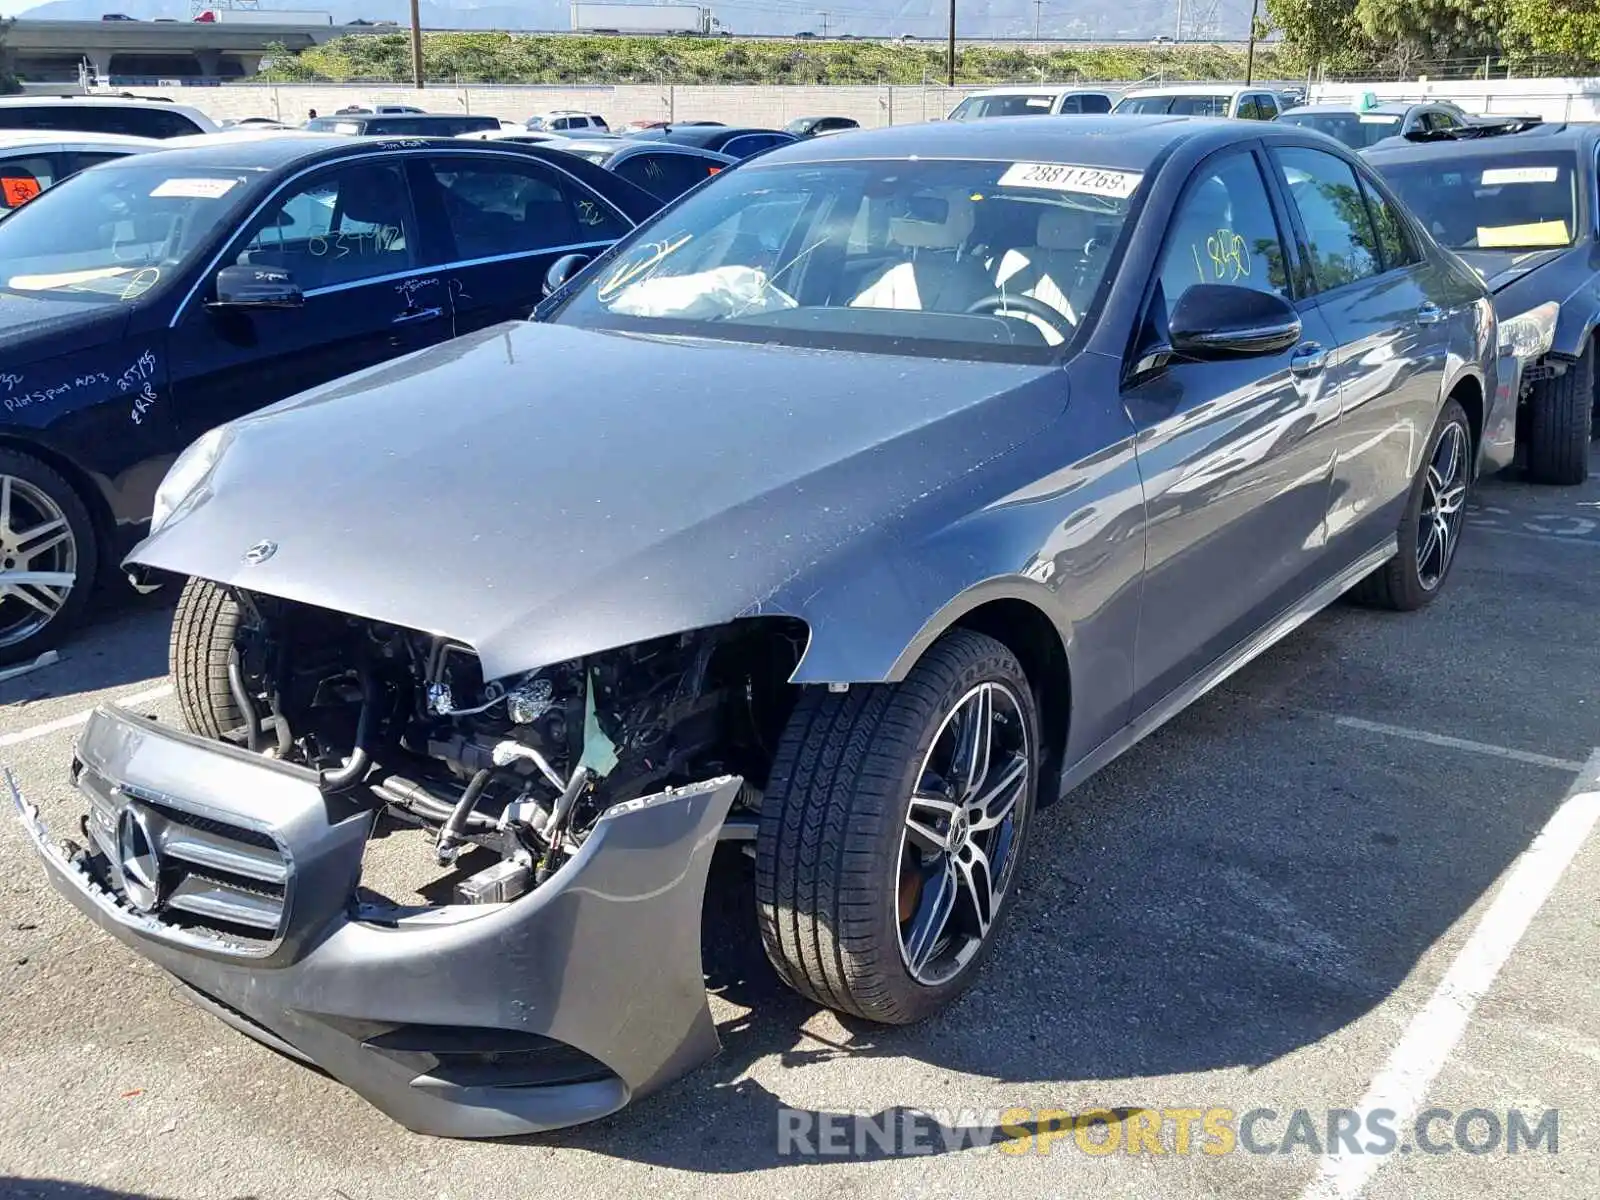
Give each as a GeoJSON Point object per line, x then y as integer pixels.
{"type": "Point", "coordinates": [892, 829]}
{"type": "Point", "coordinates": [204, 629]}
{"type": "Point", "coordinates": [1560, 421]}
{"type": "Point", "coordinates": [1430, 531]}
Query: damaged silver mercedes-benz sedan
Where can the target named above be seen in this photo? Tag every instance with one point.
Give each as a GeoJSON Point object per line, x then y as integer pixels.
{"type": "Point", "coordinates": [882, 487]}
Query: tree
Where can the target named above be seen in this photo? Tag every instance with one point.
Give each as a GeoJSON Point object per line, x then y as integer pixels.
{"type": "Point", "coordinates": [8, 82]}
{"type": "Point", "coordinates": [1564, 31]}
{"type": "Point", "coordinates": [1322, 32]}
{"type": "Point", "coordinates": [1409, 31]}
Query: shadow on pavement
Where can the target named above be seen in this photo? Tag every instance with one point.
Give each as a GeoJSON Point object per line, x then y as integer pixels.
{"type": "Point", "coordinates": [16, 1188]}
{"type": "Point", "coordinates": [122, 642]}
{"type": "Point", "coordinates": [1243, 885]}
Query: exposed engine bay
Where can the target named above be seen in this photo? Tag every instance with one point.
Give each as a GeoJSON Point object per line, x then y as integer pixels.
{"type": "Point", "coordinates": [523, 766]}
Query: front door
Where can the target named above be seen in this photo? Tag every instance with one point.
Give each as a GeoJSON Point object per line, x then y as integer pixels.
{"type": "Point", "coordinates": [1234, 455]}
{"type": "Point", "coordinates": [1377, 293]}
{"type": "Point", "coordinates": [348, 237]}
{"type": "Point", "coordinates": [509, 218]}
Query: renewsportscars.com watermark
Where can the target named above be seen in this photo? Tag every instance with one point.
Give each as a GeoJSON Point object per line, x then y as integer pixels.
{"type": "Point", "coordinates": [1213, 1132]}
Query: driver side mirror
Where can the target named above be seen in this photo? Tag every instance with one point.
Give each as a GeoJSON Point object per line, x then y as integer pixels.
{"type": "Point", "coordinates": [562, 271]}
{"type": "Point", "coordinates": [256, 287]}
{"type": "Point", "coordinates": [1223, 320]}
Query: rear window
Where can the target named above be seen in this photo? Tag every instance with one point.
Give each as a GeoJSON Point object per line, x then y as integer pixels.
{"type": "Point", "coordinates": [428, 126]}
{"type": "Point", "coordinates": [1356, 130]}
{"type": "Point", "coordinates": [1492, 201]}
{"type": "Point", "coordinates": [977, 108]}
{"type": "Point", "coordinates": [137, 120]}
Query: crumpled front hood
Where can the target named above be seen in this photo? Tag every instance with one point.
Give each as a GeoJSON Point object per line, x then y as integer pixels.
{"type": "Point", "coordinates": [1500, 268]}
{"type": "Point", "coordinates": [542, 492]}
{"type": "Point", "coordinates": [24, 318]}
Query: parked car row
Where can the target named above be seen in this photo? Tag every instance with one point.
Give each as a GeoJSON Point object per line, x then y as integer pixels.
{"type": "Point", "coordinates": [876, 492]}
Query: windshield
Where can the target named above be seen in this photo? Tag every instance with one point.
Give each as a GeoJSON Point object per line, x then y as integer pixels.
{"type": "Point", "coordinates": [976, 108]}
{"type": "Point", "coordinates": [1178, 106]}
{"type": "Point", "coordinates": [1356, 130]}
{"type": "Point", "coordinates": [1491, 201]}
{"type": "Point", "coordinates": [111, 234]}
{"type": "Point", "coordinates": [957, 259]}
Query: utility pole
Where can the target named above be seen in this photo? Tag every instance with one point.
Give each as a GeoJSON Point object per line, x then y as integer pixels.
{"type": "Point", "coordinates": [824, 17]}
{"type": "Point", "coordinates": [416, 45]}
{"type": "Point", "coordinates": [1250, 54]}
{"type": "Point", "coordinates": [1038, 14]}
{"type": "Point", "coordinates": [950, 49]}
{"type": "Point", "coordinates": [1178, 35]}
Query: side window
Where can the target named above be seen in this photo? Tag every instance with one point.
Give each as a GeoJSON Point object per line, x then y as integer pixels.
{"type": "Point", "coordinates": [1439, 120]}
{"type": "Point", "coordinates": [1095, 103]}
{"type": "Point", "coordinates": [508, 207]}
{"type": "Point", "coordinates": [1072, 104]}
{"type": "Point", "coordinates": [343, 226]}
{"type": "Point", "coordinates": [1338, 228]}
{"type": "Point", "coordinates": [21, 179]}
{"type": "Point", "coordinates": [753, 143]}
{"type": "Point", "coordinates": [560, 123]}
{"type": "Point", "coordinates": [1224, 231]}
{"type": "Point", "coordinates": [82, 160]}
{"type": "Point", "coordinates": [1394, 239]}
{"type": "Point", "coordinates": [665, 176]}
{"type": "Point", "coordinates": [1267, 106]}
{"type": "Point", "coordinates": [1248, 110]}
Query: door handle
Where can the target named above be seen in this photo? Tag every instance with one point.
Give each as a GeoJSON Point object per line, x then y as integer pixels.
{"type": "Point", "coordinates": [421, 314]}
{"type": "Point", "coordinates": [1309, 358]}
{"type": "Point", "coordinates": [1430, 314]}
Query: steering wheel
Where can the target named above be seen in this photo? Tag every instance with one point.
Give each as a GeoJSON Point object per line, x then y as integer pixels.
{"type": "Point", "coordinates": [1005, 303]}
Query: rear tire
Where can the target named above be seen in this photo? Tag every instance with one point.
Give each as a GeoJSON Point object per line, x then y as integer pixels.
{"type": "Point", "coordinates": [45, 529]}
{"type": "Point", "coordinates": [1436, 508]}
{"type": "Point", "coordinates": [203, 631]}
{"type": "Point", "coordinates": [852, 874]}
{"type": "Point", "coordinates": [1560, 422]}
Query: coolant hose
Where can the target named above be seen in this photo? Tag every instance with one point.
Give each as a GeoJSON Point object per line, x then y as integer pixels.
{"type": "Point", "coordinates": [450, 836]}
{"type": "Point", "coordinates": [247, 710]}
{"type": "Point", "coordinates": [356, 766]}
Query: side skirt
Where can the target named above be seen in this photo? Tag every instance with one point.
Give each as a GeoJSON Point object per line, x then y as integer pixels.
{"type": "Point", "coordinates": [1241, 655]}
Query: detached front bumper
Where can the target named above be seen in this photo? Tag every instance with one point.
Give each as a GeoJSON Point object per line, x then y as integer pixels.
{"type": "Point", "coordinates": [238, 876]}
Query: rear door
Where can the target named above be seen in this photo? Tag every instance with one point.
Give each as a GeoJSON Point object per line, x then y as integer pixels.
{"type": "Point", "coordinates": [506, 219]}
{"type": "Point", "coordinates": [1377, 293]}
{"type": "Point", "coordinates": [1235, 455]}
{"type": "Point", "coordinates": [348, 235]}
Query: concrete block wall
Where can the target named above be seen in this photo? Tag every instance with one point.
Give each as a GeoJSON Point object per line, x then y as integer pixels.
{"type": "Point", "coordinates": [763, 106]}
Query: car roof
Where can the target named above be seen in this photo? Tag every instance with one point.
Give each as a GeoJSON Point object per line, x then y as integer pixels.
{"type": "Point", "coordinates": [1552, 135]}
{"type": "Point", "coordinates": [1044, 89]}
{"type": "Point", "coordinates": [1195, 89]}
{"type": "Point", "coordinates": [11, 138]}
{"type": "Point", "coordinates": [1127, 142]}
{"type": "Point", "coordinates": [1390, 108]}
{"type": "Point", "coordinates": [142, 102]}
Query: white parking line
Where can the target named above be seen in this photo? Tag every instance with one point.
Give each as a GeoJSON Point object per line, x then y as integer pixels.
{"type": "Point", "coordinates": [1455, 743]}
{"type": "Point", "coordinates": [1433, 1033]}
{"type": "Point", "coordinates": [56, 726]}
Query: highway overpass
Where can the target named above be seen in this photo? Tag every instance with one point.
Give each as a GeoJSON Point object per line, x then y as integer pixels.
{"type": "Point", "coordinates": [52, 50]}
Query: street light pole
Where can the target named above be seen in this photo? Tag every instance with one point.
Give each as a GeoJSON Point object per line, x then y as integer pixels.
{"type": "Point", "coordinates": [416, 45]}
{"type": "Point", "coordinates": [1178, 34]}
{"type": "Point", "coordinates": [1038, 14]}
{"type": "Point", "coordinates": [950, 49]}
{"type": "Point", "coordinates": [1250, 54]}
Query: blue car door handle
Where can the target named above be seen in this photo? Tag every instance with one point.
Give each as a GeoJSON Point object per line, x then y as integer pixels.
{"type": "Point", "coordinates": [1309, 358]}
{"type": "Point", "coordinates": [421, 314]}
{"type": "Point", "coordinates": [1429, 314]}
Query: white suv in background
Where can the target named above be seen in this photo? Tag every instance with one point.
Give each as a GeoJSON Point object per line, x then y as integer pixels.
{"type": "Point", "coordinates": [568, 121]}
{"type": "Point", "coordinates": [1204, 100]}
{"type": "Point", "coordinates": [1031, 101]}
{"type": "Point", "coordinates": [131, 116]}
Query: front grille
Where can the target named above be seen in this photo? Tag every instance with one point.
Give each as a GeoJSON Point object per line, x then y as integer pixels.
{"type": "Point", "coordinates": [206, 873]}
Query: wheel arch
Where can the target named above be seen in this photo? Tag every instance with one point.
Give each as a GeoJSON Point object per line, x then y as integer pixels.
{"type": "Point", "coordinates": [1013, 612]}
{"type": "Point", "coordinates": [1467, 390]}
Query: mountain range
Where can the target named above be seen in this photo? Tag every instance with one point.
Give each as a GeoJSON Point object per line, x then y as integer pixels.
{"type": "Point", "coordinates": [1202, 19]}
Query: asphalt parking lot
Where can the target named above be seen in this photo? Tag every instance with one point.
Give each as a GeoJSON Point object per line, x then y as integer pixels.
{"type": "Point", "coordinates": [1277, 903]}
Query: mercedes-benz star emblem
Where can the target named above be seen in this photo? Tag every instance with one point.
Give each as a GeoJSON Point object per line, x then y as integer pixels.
{"type": "Point", "coordinates": [141, 866]}
{"type": "Point", "coordinates": [260, 552]}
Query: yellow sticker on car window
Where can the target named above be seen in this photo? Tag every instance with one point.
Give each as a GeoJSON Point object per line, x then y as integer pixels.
{"type": "Point", "coordinates": [1538, 233]}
